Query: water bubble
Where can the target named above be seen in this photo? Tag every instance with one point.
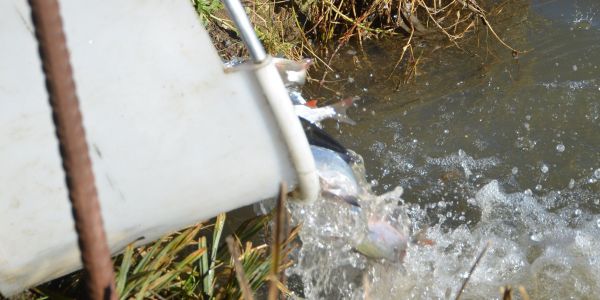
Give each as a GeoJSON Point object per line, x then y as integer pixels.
{"type": "Point", "coordinates": [536, 237]}
{"type": "Point", "coordinates": [544, 168]}
{"type": "Point", "coordinates": [575, 68]}
{"type": "Point", "coordinates": [350, 79]}
{"type": "Point", "coordinates": [597, 173]}
{"type": "Point", "coordinates": [598, 223]}
{"type": "Point", "coordinates": [560, 147]}
{"type": "Point", "coordinates": [538, 187]}
{"type": "Point", "coordinates": [515, 170]}
{"type": "Point", "coordinates": [446, 131]}
{"type": "Point", "coordinates": [571, 183]}
{"type": "Point", "coordinates": [385, 172]}
{"type": "Point", "coordinates": [578, 212]}
{"type": "Point", "coordinates": [528, 117]}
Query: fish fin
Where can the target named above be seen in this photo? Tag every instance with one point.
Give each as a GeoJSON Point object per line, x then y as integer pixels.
{"type": "Point", "coordinates": [426, 242]}
{"type": "Point", "coordinates": [402, 255]}
{"type": "Point", "coordinates": [319, 137]}
{"type": "Point", "coordinates": [340, 109]}
{"type": "Point", "coordinates": [420, 238]}
{"type": "Point", "coordinates": [352, 200]}
{"type": "Point", "coordinates": [312, 103]}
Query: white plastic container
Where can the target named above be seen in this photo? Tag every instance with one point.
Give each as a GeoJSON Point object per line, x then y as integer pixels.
{"type": "Point", "coordinates": [173, 138]}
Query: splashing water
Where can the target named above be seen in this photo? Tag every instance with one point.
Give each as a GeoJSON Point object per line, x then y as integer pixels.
{"type": "Point", "coordinates": [545, 243]}
{"type": "Point", "coordinates": [508, 156]}
{"type": "Point", "coordinates": [329, 264]}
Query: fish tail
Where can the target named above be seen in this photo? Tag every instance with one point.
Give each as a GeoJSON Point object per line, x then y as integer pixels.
{"type": "Point", "coordinates": [340, 109]}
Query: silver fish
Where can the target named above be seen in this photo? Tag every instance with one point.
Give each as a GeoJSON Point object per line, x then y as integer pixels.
{"type": "Point", "coordinates": [292, 72]}
{"type": "Point", "coordinates": [336, 177]}
{"type": "Point", "coordinates": [339, 182]}
{"type": "Point", "coordinates": [383, 241]}
{"type": "Point", "coordinates": [335, 111]}
{"type": "Point", "coordinates": [293, 75]}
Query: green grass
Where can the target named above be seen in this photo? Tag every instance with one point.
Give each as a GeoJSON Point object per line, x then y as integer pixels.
{"type": "Point", "coordinates": [206, 9]}
{"type": "Point", "coordinates": [184, 266]}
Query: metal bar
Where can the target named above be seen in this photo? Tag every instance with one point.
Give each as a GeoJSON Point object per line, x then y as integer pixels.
{"type": "Point", "coordinates": [239, 17]}
{"type": "Point", "coordinates": [95, 255]}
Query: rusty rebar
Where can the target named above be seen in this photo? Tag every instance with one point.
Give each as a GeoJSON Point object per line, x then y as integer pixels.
{"type": "Point", "coordinates": [95, 255]}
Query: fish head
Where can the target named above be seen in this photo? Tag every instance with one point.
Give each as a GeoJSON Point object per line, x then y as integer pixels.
{"type": "Point", "coordinates": [292, 72]}
{"type": "Point", "coordinates": [384, 240]}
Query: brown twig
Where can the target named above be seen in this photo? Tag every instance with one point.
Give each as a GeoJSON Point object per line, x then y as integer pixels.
{"type": "Point", "coordinates": [239, 269]}
{"type": "Point", "coordinates": [523, 293]}
{"type": "Point", "coordinates": [506, 293]}
{"type": "Point", "coordinates": [366, 287]}
{"type": "Point", "coordinates": [406, 46]}
{"type": "Point", "coordinates": [479, 257]}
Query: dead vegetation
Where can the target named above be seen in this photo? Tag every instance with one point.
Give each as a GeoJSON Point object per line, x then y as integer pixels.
{"type": "Point", "coordinates": [320, 28]}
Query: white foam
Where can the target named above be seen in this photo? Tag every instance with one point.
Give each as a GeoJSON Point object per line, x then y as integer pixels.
{"type": "Point", "coordinates": [552, 253]}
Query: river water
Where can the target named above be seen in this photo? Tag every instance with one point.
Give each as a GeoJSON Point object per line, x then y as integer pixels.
{"type": "Point", "coordinates": [489, 149]}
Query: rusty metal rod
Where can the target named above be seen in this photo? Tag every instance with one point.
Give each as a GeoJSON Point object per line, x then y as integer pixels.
{"type": "Point", "coordinates": [95, 255]}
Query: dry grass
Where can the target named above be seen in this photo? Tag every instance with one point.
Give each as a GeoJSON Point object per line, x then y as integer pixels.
{"type": "Point", "coordinates": [320, 28]}
{"type": "Point", "coordinates": [185, 266]}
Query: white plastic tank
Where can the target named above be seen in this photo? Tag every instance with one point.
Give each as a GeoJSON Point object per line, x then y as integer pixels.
{"type": "Point", "coordinates": [173, 138]}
